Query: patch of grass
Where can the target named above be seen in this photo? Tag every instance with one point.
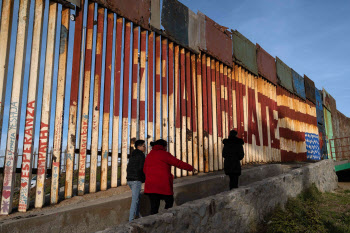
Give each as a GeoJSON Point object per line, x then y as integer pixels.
{"type": "Point", "coordinates": [311, 211]}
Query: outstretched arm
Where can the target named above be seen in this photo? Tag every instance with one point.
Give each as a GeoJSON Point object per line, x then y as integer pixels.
{"type": "Point", "coordinates": [169, 159]}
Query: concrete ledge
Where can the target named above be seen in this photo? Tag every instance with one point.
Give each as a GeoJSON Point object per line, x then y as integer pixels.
{"type": "Point", "coordinates": [238, 210]}
{"type": "Point", "coordinates": [99, 214]}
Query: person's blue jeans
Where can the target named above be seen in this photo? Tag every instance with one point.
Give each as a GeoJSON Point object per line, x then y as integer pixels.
{"type": "Point", "coordinates": [135, 187]}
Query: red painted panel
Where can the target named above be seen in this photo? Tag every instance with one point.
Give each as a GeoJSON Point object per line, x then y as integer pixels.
{"type": "Point", "coordinates": [117, 70]}
{"type": "Point", "coordinates": [134, 72]}
{"type": "Point", "coordinates": [253, 119]}
{"type": "Point", "coordinates": [126, 70]}
{"type": "Point", "coordinates": [289, 156]}
{"type": "Point", "coordinates": [210, 106]}
{"type": "Point", "coordinates": [150, 76]}
{"type": "Point", "coordinates": [188, 88]}
{"type": "Point", "coordinates": [142, 71]}
{"type": "Point", "coordinates": [108, 68]}
{"type": "Point", "coordinates": [183, 81]}
{"type": "Point", "coordinates": [218, 99]}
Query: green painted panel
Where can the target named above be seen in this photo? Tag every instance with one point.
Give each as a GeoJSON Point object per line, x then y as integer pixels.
{"type": "Point", "coordinates": [284, 75]}
{"type": "Point", "coordinates": [244, 52]}
{"type": "Point", "coordinates": [329, 132]}
{"type": "Point", "coordinates": [342, 167]}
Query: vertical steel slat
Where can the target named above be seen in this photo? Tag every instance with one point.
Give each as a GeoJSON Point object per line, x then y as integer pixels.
{"type": "Point", "coordinates": [171, 133]}
{"type": "Point", "coordinates": [220, 114]}
{"type": "Point", "coordinates": [246, 125]}
{"type": "Point", "coordinates": [150, 90]}
{"type": "Point", "coordinates": [96, 99]}
{"type": "Point", "coordinates": [230, 99]}
{"type": "Point", "coordinates": [234, 97]}
{"type": "Point", "coordinates": [117, 74]}
{"type": "Point", "coordinates": [183, 109]}
{"type": "Point", "coordinates": [189, 132]}
{"type": "Point", "coordinates": [29, 129]}
{"type": "Point", "coordinates": [215, 122]}
{"type": "Point", "coordinates": [258, 111]}
{"type": "Point", "coordinates": [249, 118]}
{"type": "Point", "coordinates": [45, 111]}
{"type": "Point", "coordinates": [194, 111]}
{"type": "Point", "coordinates": [86, 99]}
{"type": "Point", "coordinates": [200, 113]}
{"type": "Point", "coordinates": [106, 101]}
{"type": "Point", "coordinates": [178, 115]}
{"type": "Point", "coordinates": [222, 100]}
{"type": "Point", "coordinates": [133, 91]}
{"type": "Point", "coordinates": [74, 100]}
{"type": "Point", "coordinates": [143, 84]}
{"type": "Point", "coordinates": [5, 35]}
{"type": "Point", "coordinates": [158, 97]}
{"type": "Point", "coordinates": [15, 109]}
{"type": "Point", "coordinates": [164, 90]}
{"type": "Point", "coordinates": [61, 84]}
{"type": "Point", "coordinates": [227, 112]}
{"type": "Point", "coordinates": [210, 116]}
{"type": "Point", "coordinates": [125, 101]}
{"type": "Point", "coordinates": [238, 100]}
{"type": "Point", "coordinates": [205, 110]}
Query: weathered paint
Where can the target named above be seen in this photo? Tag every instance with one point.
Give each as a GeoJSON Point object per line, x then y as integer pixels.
{"type": "Point", "coordinates": [86, 100]}
{"type": "Point", "coordinates": [266, 64]}
{"type": "Point", "coordinates": [125, 102]}
{"type": "Point", "coordinates": [214, 84]}
{"type": "Point", "coordinates": [329, 132]}
{"type": "Point", "coordinates": [5, 35]}
{"type": "Point", "coordinates": [133, 92]}
{"type": "Point", "coordinates": [137, 11]}
{"type": "Point", "coordinates": [61, 84]}
{"type": "Point", "coordinates": [164, 89]}
{"type": "Point", "coordinates": [309, 89]}
{"type": "Point", "coordinates": [178, 100]}
{"type": "Point", "coordinates": [116, 107]}
{"type": "Point", "coordinates": [45, 110]}
{"type": "Point", "coordinates": [221, 111]}
{"type": "Point", "coordinates": [194, 111]}
{"type": "Point", "coordinates": [205, 116]}
{"type": "Point", "coordinates": [327, 99]}
{"type": "Point", "coordinates": [319, 106]}
{"type": "Point", "coordinates": [155, 14]}
{"type": "Point", "coordinates": [284, 75]}
{"type": "Point", "coordinates": [200, 113]}
{"type": "Point", "coordinates": [183, 109]}
{"type": "Point", "coordinates": [231, 101]}
{"type": "Point", "coordinates": [106, 101]}
{"type": "Point", "coordinates": [244, 52]}
{"type": "Point", "coordinates": [171, 133]}
{"type": "Point", "coordinates": [29, 129]}
{"type": "Point", "coordinates": [143, 84]}
{"type": "Point", "coordinates": [312, 146]}
{"type": "Point", "coordinates": [158, 97]}
{"type": "Point", "coordinates": [189, 131]}
{"type": "Point", "coordinates": [210, 116]}
{"type": "Point", "coordinates": [73, 101]}
{"type": "Point", "coordinates": [150, 90]}
{"type": "Point", "coordinates": [96, 100]}
{"type": "Point", "coordinates": [323, 141]}
{"type": "Point", "coordinates": [298, 84]}
{"type": "Point", "coordinates": [15, 109]}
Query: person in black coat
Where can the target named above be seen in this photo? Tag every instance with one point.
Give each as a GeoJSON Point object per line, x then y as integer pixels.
{"type": "Point", "coordinates": [136, 177]}
{"type": "Point", "coordinates": [233, 153]}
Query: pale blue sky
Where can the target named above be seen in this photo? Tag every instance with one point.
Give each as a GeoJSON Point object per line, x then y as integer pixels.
{"type": "Point", "coordinates": [312, 37]}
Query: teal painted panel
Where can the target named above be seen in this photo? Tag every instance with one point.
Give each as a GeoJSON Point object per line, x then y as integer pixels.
{"type": "Point", "coordinates": [342, 167]}
{"type": "Point", "coordinates": [244, 52]}
{"type": "Point", "coordinates": [284, 75]}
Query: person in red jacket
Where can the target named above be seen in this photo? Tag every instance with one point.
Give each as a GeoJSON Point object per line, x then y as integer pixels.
{"type": "Point", "coordinates": [159, 180]}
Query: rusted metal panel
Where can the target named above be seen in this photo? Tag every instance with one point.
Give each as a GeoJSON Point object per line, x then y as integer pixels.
{"type": "Point", "coordinates": [205, 116]}
{"type": "Point", "coordinates": [284, 75]}
{"type": "Point", "coordinates": [319, 106]}
{"type": "Point", "coordinates": [327, 100]}
{"type": "Point", "coordinates": [85, 100]}
{"type": "Point", "coordinates": [74, 101]}
{"type": "Point", "coordinates": [298, 85]}
{"type": "Point", "coordinates": [45, 110]}
{"type": "Point", "coordinates": [217, 41]}
{"type": "Point", "coordinates": [189, 132]}
{"type": "Point", "coordinates": [183, 109]}
{"type": "Point", "coordinates": [180, 24]}
{"type": "Point", "coordinates": [135, 65]}
{"type": "Point", "coordinates": [106, 101]}
{"type": "Point", "coordinates": [15, 109]}
{"type": "Point", "coordinates": [266, 64]}
{"type": "Point", "coordinates": [116, 107]}
{"type": "Point", "coordinates": [323, 141]}
{"type": "Point", "coordinates": [309, 89]}
{"type": "Point", "coordinates": [150, 89]}
{"type": "Point", "coordinates": [61, 84]}
{"type": "Point", "coordinates": [164, 89]}
{"type": "Point", "coordinates": [137, 11]}
{"type": "Point", "coordinates": [5, 35]}
{"type": "Point", "coordinates": [29, 129]}
{"type": "Point", "coordinates": [75, 2]}
{"type": "Point", "coordinates": [178, 99]}
{"type": "Point", "coordinates": [244, 52]}
{"type": "Point", "coordinates": [126, 78]}
{"type": "Point", "coordinates": [155, 14]}
{"type": "Point", "coordinates": [142, 84]}
{"type": "Point", "coordinates": [200, 113]}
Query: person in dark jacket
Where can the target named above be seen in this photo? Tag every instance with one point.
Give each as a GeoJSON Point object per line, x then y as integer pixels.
{"type": "Point", "coordinates": [233, 153]}
{"type": "Point", "coordinates": [136, 177]}
{"type": "Point", "coordinates": [159, 180]}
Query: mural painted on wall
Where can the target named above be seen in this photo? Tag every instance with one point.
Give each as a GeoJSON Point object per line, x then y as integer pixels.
{"type": "Point", "coordinates": [312, 146]}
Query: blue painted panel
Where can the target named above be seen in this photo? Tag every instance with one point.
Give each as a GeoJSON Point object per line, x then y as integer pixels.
{"type": "Point", "coordinates": [323, 141]}
{"type": "Point", "coordinates": [298, 84]}
{"type": "Point", "coordinates": [319, 107]}
{"type": "Point", "coordinates": [312, 146]}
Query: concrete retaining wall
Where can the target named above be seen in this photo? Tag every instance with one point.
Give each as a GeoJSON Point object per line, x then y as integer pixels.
{"type": "Point", "coordinates": [239, 210]}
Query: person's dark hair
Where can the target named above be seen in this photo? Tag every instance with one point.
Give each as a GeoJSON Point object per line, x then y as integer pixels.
{"type": "Point", "coordinates": [139, 143]}
{"type": "Point", "coordinates": [160, 142]}
{"type": "Point", "coordinates": [233, 133]}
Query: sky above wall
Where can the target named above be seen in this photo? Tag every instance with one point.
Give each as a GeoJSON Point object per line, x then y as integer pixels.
{"type": "Point", "coordinates": [312, 37]}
